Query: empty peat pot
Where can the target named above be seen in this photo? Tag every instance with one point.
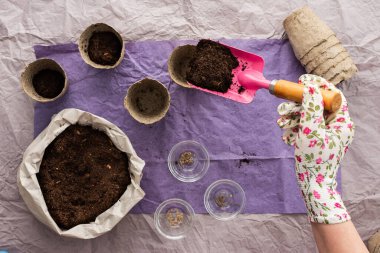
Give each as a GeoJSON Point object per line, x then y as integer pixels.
{"type": "Point", "coordinates": [44, 80]}
{"type": "Point", "coordinates": [101, 46]}
{"type": "Point", "coordinates": [147, 101]}
{"type": "Point", "coordinates": [178, 64]}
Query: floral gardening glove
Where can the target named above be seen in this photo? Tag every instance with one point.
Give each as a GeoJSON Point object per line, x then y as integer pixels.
{"type": "Point", "coordinates": [320, 143]}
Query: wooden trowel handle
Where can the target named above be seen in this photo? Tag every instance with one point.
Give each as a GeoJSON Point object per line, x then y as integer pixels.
{"type": "Point", "coordinates": [294, 92]}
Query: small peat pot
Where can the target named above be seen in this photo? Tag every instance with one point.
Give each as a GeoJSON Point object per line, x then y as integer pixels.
{"type": "Point", "coordinates": [178, 64]}
{"type": "Point", "coordinates": [101, 46]}
{"type": "Point", "coordinates": [147, 101]}
{"type": "Point", "coordinates": [306, 31]}
{"type": "Point", "coordinates": [44, 80]}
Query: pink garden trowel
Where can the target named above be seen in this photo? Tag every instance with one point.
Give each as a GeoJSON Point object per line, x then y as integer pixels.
{"type": "Point", "coordinates": [249, 74]}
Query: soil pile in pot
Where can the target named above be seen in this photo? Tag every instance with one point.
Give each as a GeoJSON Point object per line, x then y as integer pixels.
{"type": "Point", "coordinates": [82, 174]}
{"type": "Point", "coordinates": [48, 83]}
{"type": "Point", "coordinates": [211, 67]}
{"type": "Point", "coordinates": [104, 48]}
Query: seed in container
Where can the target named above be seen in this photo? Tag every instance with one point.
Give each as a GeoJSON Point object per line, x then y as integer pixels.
{"type": "Point", "coordinates": [174, 217]}
{"type": "Point", "coordinates": [186, 158]}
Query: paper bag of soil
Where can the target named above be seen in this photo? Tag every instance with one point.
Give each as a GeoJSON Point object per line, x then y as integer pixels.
{"type": "Point", "coordinates": [30, 189]}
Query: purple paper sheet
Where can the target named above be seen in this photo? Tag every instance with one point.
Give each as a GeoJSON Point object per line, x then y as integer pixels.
{"type": "Point", "coordinates": [229, 130]}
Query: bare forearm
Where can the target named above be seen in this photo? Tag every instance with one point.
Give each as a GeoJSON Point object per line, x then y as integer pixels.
{"type": "Point", "coordinates": [338, 238]}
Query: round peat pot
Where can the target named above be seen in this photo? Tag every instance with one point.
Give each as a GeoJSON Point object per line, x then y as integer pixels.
{"type": "Point", "coordinates": [44, 80]}
{"type": "Point", "coordinates": [147, 101]}
{"type": "Point", "coordinates": [101, 46]}
{"type": "Point", "coordinates": [178, 64]}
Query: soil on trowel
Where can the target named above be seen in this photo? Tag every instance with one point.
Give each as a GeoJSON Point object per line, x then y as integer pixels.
{"type": "Point", "coordinates": [48, 83]}
{"type": "Point", "coordinates": [241, 89]}
{"type": "Point", "coordinates": [211, 66]}
{"type": "Point", "coordinates": [82, 174]}
{"type": "Point", "coordinates": [104, 48]}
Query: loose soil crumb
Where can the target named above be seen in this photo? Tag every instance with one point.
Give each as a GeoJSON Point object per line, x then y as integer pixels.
{"type": "Point", "coordinates": [104, 48]}
{"type": "Point", "coordinates": [82, 174]}
{"type": "Point", "coordinates": [241, 89]}
{"type": "Point", "coordinates": [249, 154]}
{"type": "Point", "coordinates": [244, 161]}
{"type": "Point", "coordinates": [211, 67]}
{"type": "Point", "coordinates": [48, 83]}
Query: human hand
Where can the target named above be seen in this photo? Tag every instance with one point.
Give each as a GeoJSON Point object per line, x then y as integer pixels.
{"type": "Point", "coordinates": [320, 143]}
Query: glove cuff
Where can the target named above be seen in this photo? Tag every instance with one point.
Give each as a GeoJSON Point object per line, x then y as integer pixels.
{"type": "Point", "coordinates": [325, 207]}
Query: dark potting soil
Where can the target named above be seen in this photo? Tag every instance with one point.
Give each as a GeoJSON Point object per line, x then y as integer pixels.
{"type": "Point", "coordinates": [246, 160]}
{"type": "Point", "coordinates": [48, 83]}
{"type": "Point", "coordinates": [241, 89]}
{"type": "Point", "coordinates": [149, 100]}
{"type": "Point", "coordinates": [82, 174]}
{"type": "Point", "coordinates": [211, 66]}
{"type": "Point", "coordinates": [104, 48]}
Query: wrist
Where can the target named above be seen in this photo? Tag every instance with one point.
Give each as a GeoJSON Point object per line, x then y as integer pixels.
{"type": "Point", "coordinates": [324, 204]}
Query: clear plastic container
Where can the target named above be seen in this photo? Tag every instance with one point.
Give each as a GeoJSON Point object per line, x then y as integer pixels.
{"type": "Point", "coordinates": [224, 199]}
{"type": "Point", "coordinates": [173, 218]}
{"type": "Point", "coordinates": [188, 161]}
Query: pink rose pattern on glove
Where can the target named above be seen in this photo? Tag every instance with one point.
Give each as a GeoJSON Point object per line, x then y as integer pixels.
{"type": "Point", "coordinates": [320, 143]}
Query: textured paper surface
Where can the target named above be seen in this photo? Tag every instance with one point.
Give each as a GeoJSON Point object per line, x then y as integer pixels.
{"type": "Point", "coordinates": [243, 140]}
{"type": "Point", "coordinates": [24, 24]}
{"type": "Point", "coordinates": [30, 189]}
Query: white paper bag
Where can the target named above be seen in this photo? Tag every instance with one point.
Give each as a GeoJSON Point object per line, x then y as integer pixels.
{"type": "Point", "coordinates": [30, 189]}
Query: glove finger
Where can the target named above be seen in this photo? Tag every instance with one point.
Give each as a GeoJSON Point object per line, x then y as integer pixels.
{"type": "Point", "coordinates": [324, 84]}
{"type": "Point", "coordinates": [343, 126]}
{"type": "Point", "coordinates": [288, 108]}
{"type": "Point", "coordinates": [340, 121]}
{"type": "Point", "coordinates": [342, 115]}
{"type": "Point", "coordinates": [312, 103]}
{"type": "Point", "coordinates": [288, 121]}
{"type": "Point", "coordinates": [312, 123]}
{"type": "Point", "coordinates": [289, 136]}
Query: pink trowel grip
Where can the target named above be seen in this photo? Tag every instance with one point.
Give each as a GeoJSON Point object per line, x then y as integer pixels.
{"type": "Point", "coordinates": [253, 80]}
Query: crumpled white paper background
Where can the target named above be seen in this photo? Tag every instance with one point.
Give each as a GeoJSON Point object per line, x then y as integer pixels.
{"type": "Point", "coordinates": [30, 189]}
{"type": "Point", "coordinates": [25, 23]}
